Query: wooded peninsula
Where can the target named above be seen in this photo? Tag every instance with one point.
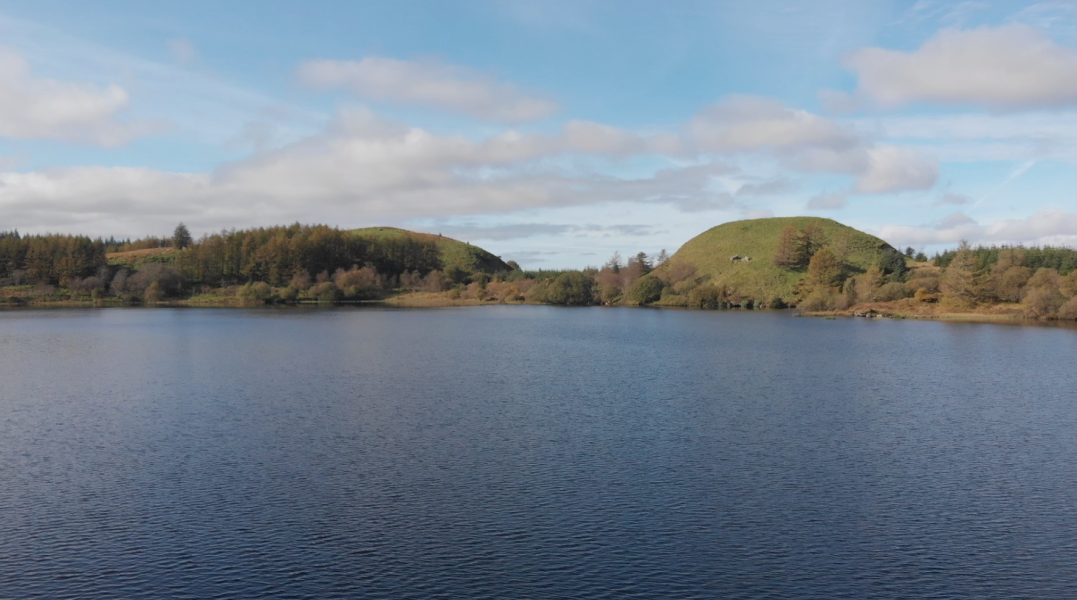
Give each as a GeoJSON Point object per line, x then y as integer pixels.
{"type": "Point", "coordinates": [817, 266]}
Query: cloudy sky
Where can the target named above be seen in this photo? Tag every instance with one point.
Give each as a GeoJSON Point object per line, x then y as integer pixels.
{"type": "Point", "coordinates": [553, 133]}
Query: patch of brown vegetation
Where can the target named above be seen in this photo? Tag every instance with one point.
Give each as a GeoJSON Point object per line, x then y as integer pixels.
{"type": "Point", "coordinates": [909, 308]}
{"type": "Point", "coordinates": [133, 255]}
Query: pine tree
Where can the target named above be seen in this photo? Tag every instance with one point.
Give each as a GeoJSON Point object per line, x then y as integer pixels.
{"type": "Point", "coordinates": [787, 255]}
{"type": "Point", "coordinates": [181, 237]}
{"type": "Point", "coordinates": [959, 283]}
{"type": "Point", "coordinates": [824, 270]}
{"type": "Point", "coordinates": [811, 239]}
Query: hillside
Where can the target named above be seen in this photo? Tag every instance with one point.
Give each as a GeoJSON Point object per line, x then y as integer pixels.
{"type": "Point", "coordinates": [710, 252]}
{"type": "Point", "coordinates": [454, 253]}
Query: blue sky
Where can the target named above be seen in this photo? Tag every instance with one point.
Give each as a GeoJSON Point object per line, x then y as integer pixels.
{"type": "Point", "coordinates": [553, 133]}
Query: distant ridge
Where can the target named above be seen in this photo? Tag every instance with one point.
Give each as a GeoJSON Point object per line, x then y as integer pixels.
{"type": "Point", "coordinates": [454, 253]}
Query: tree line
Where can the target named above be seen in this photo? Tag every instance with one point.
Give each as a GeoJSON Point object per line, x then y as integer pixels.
{"type": "Point", "coordinates": [1040, 281]}
{"type": "Point", "coordinates": [298, 256]}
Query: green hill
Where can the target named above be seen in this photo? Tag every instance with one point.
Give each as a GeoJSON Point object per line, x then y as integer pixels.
{"type": "Point", "coordinates": [454, 253]}
{"type": "Point", "coordinates": [710, 254]}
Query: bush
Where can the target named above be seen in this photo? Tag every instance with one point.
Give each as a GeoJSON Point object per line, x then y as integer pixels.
{"type": "Point", "coordinates": [169, 281]}
{"type": "Point", "coordinates": [571, 289]}
{"type": "Point", "coordinates": [327, 291]}
{"type": "Point", "coordinates": [705, 296]}
{"type": "Point", "coordinates": [255, 292]}
{"type": "Point", "coordinates": [289, 294]}
{"type": "Point", "coordinates": [610, 295]}
{"type": "Point", "coordinates": [1069, 309]}
{"type": "Point", "coordinates": [819, 300]}
{"type": "Point", "coordinates": [893, 291]}
{"type": "Point", "coordinates": [923, 295]}
{"type": "Point", "coordinates": [1042, 303]}
{"type": "Point", "coordinates": [152, 293]}
{"type": "Point", "coordinates": [645, 291]}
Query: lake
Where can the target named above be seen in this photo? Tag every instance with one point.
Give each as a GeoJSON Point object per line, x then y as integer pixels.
{"type": "Point", "coordinates": [533, 452]}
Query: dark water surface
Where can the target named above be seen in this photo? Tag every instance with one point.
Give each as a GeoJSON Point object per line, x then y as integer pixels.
{"type": "Point", "coordinates": [532, 452]}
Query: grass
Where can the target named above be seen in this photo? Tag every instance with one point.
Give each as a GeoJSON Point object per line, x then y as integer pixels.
{"type": "Point", "coordinates": [757, 239]}
{"type": "Point", "coordinates": [454, 253]}
{"type": "Point", "coordinates": [137, 258]}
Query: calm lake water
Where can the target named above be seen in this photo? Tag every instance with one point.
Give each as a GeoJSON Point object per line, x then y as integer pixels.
{"type": "Point", "coordinates": [533, 452]}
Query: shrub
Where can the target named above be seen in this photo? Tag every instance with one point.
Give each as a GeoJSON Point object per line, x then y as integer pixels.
{"type": "Point", "coordinates": [571, 289]}
{"type": "Point", "coordinates": [893, 291]}
{"type": "Point", "coordinates": [1042, 303]}
{"type": "Point", "coordinates": [645, 291]}
{"type": "Point", "coordinates": [289, 294]}
{"type": "Point", "coordinates": [820, 299]}
{"type": "Point", "coordinates": [1069, 309]}
{"type": "Point", "coordinates": [169, 281]}
{"type": "Point", "coordinates": [610, 294]}
{"type": "Point", "coordinates": [255, 292]}
{"type": "Point", "coordinates": [1068, 285]}
{"type": "Point", "coordinates": [152, 293]}
{"type": "Point", "coordinates": [705, 296]}
{"type": "Point", "coordinates": [326, 291]}
{"type": "Point", "coordinates": [923, 295]}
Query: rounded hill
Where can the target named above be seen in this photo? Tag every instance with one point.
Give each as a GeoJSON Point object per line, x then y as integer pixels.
{"type": "Point", "coordinates": [741, 255]}
{"type": "Point", "coordinates": [454, 253]}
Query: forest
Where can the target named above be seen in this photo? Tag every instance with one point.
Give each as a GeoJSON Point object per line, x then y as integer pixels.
{"type": "Point", "coordinates": [318, 263]}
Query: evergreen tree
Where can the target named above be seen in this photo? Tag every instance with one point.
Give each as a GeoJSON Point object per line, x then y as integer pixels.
{"type": "Point", "coordinates": [787, 255]}
{"type": "Point", "coordinates": [181, 237]}
{"type": "Point", "coordinates": [959, 283]}
{"type": "Point", "coordinates": [811, 239]}
{"type": "Point", "coordinates": [644, 263]}
{"type": "Point", "coordinates": [824, 270]}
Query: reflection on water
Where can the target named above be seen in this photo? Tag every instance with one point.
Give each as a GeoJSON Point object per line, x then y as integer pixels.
{"type": "Point", "coordinates": [532, 452]}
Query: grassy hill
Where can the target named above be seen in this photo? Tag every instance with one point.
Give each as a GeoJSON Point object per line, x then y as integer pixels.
{"type": "Point", "coordinates": [710, 252]}
{"type": "Point", "coordinates": [454, 253]}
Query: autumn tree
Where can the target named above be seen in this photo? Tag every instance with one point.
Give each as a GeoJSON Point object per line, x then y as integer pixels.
{"type": "Point", "coordinates": [788, 254]}
{"type": "Point", "coordinates": [869, 283]}
{"type": "Point", "coordinates": [571, 289]}
{"type": "Point", "coordinates": [1009, 286]}
{"type": "Point", "coordinates": [959, 282]}
{"type": "Point", "coordinates": [811, 239]}
{"type": "Point", "coordinates": [614, 263]}
{"type": "Point", "coordinates": [824, 270]}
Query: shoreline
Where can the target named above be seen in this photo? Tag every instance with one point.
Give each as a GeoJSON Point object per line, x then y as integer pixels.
{"type": "Point", "coordinates": [993, 315]}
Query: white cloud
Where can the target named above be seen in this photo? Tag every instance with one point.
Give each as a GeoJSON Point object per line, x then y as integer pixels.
{"type": "Point", "coordinates": [753, 123]}
{"type": "Point", "coordinates": [39, 108]}
{"type": "Point", "coordinates": [893, 169]}
{"type": "Point", "coordinates": [1046, 227]}
{"type": "Point", "coordinates": [430, 83]}
{"type": "Point", "coordinates": [828, 201]}
{"type": "Point", "coordinates": [1049, 226]}
{"type": "Point", "coordinates": [952, 220]}
{"type": "Point", "coordinates": [773, 187]}
{"type": "Point", "coordinates": [758, 214]}
{"type": "Point", "coordinates": [361, 166]}
{"type": "Point", "coordinates": [808, 142]}
{"type": "Point", "coordinates": [1010, 67]}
